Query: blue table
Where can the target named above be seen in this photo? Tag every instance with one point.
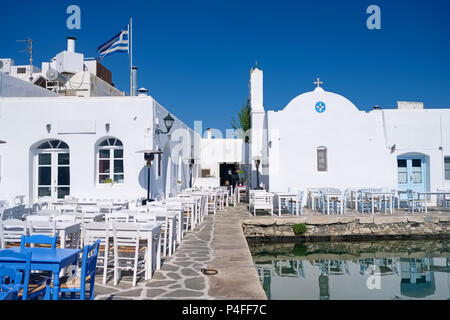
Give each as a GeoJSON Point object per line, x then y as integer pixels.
{"type": "Point", "coordinates": [45, 259]}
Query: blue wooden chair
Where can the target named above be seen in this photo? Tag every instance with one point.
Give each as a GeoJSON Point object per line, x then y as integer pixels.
{"type": "Point", "coordinates": [8, 293]}
{"type": "Point", "coordinates": [10, 283]}
{"type": "Point", "coordinates": [364, 204]}
{"type": "Point", "coordinates": [413, 204]}
{"type": "Point", "coordinates": [40, 240]}
{"type": "Point", "coordinates": [77, 285]}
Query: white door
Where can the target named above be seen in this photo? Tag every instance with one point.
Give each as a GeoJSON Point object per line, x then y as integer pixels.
{"type": "Point", "coordinates": [53, 171]}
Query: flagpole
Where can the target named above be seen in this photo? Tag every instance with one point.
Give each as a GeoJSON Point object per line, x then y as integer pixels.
{"type": "Point", "coordinates": [130, 45]}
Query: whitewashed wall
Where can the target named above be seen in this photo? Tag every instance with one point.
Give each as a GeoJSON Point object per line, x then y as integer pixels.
{"type": "Point", "coordinates": [357, 155]}
{"type": "Point", "coordinates": [23, 124]}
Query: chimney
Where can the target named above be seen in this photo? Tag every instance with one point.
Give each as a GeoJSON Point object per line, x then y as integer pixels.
{"type": "Point", "coordinates": [71, 44]}
{"type": "Point", "coordinates": [142, 92]}
{"type": "Point", "coordinates": [134, 77]}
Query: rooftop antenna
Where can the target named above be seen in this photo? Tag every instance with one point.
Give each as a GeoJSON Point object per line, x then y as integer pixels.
{"type": "Point", "coordinates": [29, 49]}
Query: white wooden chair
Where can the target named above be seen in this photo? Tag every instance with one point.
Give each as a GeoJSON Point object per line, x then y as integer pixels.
{"type": "Point", "coordinates": [212, 203]}
{"type": "Point", "coordinates": [11, 231]}
{"type": "Point", "coordinates": [261, 200]}
{"type": "Point", "coordinates": [168, 229]}
{"type": "Point", "coordinates": [101, 231]}
{"type": "Point", "coordinates": [128, 255]}
{"type": "Point", "coordinates": [45, 225]}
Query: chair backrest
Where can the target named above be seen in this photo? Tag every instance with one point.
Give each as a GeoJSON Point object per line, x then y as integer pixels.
{"type": "Point", "coordinates": [65, 218]}
{"type": "Point", "coordinates": [11, 231]}
{"type": "Point", "coordinates": [126, 234]}
{"type": "Point", "coordinates": [88, 267]}
{"type": "Point", "coordinates": [118, 217]}
{"type": "Point", "coordinates": [66, 207]}
{"type": "Point", "coordinates": [97, 231]}
{"type": "Point", "coordinates": [41, 225]}
{"type": "Point", "coordinates": [23, 267]}
{"type": "Point", "coordinates": [38, 239]}
{"type": "Point", "coordinates": [144, 217]}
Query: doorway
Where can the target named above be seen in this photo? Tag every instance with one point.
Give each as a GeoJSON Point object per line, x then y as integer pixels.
{"type": "Point", "coordinates": [225, 177]}
{"type": "Point", "coordinates": [412, 172]}
{"type": "Point", "coordinates": [52, 163]}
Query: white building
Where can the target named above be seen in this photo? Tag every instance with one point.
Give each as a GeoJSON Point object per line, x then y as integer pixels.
{"type": "Point", "coordinates": [321, 139]}
{"type": "Point", "coordinates": [87, 143]}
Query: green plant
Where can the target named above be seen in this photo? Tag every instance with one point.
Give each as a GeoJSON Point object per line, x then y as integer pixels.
{"type": "Point", "coordinates": [299, 228]}
{"type": "Point", "coordinates": [108, 181]}
{"type": "Point", "coordinates": [243, 122]}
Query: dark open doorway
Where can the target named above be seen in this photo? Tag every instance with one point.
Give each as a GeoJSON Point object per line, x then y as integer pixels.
{"type": "Point", "coordinates": [225, 177]}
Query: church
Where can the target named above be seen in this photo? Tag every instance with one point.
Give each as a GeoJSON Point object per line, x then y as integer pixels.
{"type": "Point", "coordinates": [321, 139]}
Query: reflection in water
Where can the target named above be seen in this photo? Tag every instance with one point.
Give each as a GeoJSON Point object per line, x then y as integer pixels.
{"type": "Point", "coordinates": [360, 270]}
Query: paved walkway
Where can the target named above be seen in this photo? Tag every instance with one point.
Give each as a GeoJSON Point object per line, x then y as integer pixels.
{"type": "Point", "coordinates": [179, 277]}
{"type": "Point", "coordinates": [237, 277]}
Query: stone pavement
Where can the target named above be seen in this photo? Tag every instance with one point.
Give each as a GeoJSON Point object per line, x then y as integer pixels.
{"type": "Point", "coordinates": [179, 277]}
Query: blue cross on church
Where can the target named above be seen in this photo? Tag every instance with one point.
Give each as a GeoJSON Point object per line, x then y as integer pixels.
{"type": "Point", "coordinates": [320, 107]}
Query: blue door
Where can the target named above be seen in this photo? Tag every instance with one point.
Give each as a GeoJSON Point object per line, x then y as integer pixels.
{"type": "Point", "coordinates": [412, 173]}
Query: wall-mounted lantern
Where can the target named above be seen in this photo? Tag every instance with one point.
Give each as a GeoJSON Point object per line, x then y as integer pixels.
{"type": "Point", "coordinates": [168, 122]}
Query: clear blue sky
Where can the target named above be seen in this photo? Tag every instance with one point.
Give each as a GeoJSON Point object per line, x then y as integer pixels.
{"type": "Point", "coordinates": [195, 56]}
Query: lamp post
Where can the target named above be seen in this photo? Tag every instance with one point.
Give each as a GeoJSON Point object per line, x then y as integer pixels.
{"type": "Point", "coordinates": [257, 163]}
{"type": "Point", "coordinates": [149, 156]}
{"type": "Point", "coordinates": [191, 164]}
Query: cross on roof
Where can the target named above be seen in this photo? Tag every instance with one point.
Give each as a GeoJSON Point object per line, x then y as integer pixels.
{"type": "Point", "coordinates": [318, 82]}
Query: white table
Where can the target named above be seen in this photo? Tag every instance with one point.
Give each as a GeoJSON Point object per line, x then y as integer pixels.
{"type": "Point", "coordinates": [286, 196]}
{"type": "Point", "coordinates": [443, 193]}
{"type": "Point", "coordinates": [385, 194]}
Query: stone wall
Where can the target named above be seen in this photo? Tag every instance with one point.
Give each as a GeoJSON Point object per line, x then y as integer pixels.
{"type": "Point", "coordinates": [326, 228]}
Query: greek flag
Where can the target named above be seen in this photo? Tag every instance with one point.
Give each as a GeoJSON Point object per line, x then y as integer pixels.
{"type": "Point", "coordinates": [119, 43]}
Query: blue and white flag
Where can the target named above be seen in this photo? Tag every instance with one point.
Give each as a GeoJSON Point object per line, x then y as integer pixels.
{"type": "Point", "coordinates": [119, 43]}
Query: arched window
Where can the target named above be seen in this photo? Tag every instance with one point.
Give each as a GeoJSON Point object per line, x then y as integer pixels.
{"type": "Point", "coordinates": [110, 161]}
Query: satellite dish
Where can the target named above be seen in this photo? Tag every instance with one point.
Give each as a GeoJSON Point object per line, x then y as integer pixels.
{"type": "Point", "coordinates": [54, 75]}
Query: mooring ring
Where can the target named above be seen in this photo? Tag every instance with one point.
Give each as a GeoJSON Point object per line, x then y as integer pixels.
{"type": "Point", "coordinates": [209, 272]}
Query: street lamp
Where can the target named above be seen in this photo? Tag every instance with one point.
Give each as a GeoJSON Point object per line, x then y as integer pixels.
{"type": "Point", "coordinates": [257, 163]}
{"type": "Point", "coordinates": [168, 122]}
{"type": "Point", "coordinates": [149, 155]}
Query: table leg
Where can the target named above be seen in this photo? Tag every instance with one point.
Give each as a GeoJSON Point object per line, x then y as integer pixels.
{"type": "Point", "coordinates": [158, 253]}
{"type": "Point", "coordinates": [279, 206]}
{"type": "Point", "coordinates": [328, 205]}
{"type": "Point", "coordinates": [148, 273]}
{"type": "Point", "coordinates": [55, 295]}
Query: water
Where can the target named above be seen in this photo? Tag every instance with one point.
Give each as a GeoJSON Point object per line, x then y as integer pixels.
{"type": "Point", "coordinates": [383, 270]}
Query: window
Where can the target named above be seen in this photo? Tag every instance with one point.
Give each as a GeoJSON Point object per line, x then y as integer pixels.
{"type": "Point", "coordinates": [206, 173]}
{"type": "Point", "coordinates": [321, 159]}
{"type": "Point", "coordinates": [447, 168]}
{"type": "Point", "coordinates": [402, 171]}
{"type": "Point", "coordinates": [21, 70]}
{"type": "Point", "coordinates": [110, 161]}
